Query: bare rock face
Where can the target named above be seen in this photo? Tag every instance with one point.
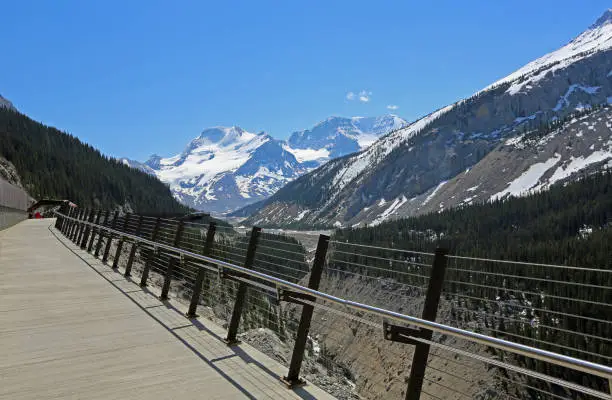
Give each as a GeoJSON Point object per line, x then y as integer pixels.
{"type": "Point", "coordinates": [396, 175]}
{"type": "Point", "coordinates": [529, 163]}
{"type": "Point", "coordinates": [6, 104]}
{"type": "Point", "coordinates": [8, 172]}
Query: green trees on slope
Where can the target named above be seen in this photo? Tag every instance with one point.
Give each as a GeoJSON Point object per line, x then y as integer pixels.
{"type": "Point", "coordinates": [55, 164]}
{"type": "Point", "coordinates": [565, 310]}
{"type": "Point", "coordinates": [544, 227]}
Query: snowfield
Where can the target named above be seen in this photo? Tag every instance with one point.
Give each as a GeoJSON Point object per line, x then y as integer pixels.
{"type": "Point", "coordinates": [225, 168]}
{"type": "Point", "coordinates": [528, 180]}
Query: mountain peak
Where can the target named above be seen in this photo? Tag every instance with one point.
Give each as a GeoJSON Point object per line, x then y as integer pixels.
{"type": "Point", "coordinates": [153, 161]}
{"type": "Point", "coordinates": [225, 168]}
{"type": "Point", "coordinates": [595, 39]}
{"type": "Point", "coordinates": [224, 136]}
{"type": "Point", "coordinates": [606, 18]}
{"type": "Point", "coordinates": [217, 133]}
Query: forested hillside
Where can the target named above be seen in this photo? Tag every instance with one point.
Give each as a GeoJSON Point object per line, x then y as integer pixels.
{"type": "Point", "coordinates": [559, 309]}
{"type": "Point", "coordinates": [55, 164]}
{"type": "Point", "coordinates": [431, 163]}
{"type": "Point", "coordinates": [569, 224]}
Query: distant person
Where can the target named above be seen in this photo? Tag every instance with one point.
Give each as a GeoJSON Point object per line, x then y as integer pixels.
{"type": "Point", "coordinates": [37, 215]}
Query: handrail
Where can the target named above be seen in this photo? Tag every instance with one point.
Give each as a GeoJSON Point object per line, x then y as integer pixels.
{"type": "Point", "coordinates": [517, 348]}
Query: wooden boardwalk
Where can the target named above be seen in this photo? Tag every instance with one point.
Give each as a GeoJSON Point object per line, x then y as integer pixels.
{"type": "Point", "coordinates": [70, 327]}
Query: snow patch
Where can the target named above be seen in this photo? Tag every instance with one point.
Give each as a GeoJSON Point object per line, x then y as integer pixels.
{"type": "Point", "coordinates": [308, 154]}
{"type": "Point", "coordinates": [523, 184]}
{"type": "Point", "coordinates": [468, 200]}
{"type": "Point", "coordinates": [301, 215]}
{"type": "Point", "coordinates": [523, 119]}
{"type": "Point", "coordinates": [514, 141]}
{"type": "Point", "coordinates": [577, 164]}
{"type": "Point", "coordinates": [564, 102]}
{"type": "Point", "coordinates": [397, 203]}
{"type": "Point", "coordinates": [432, 194]}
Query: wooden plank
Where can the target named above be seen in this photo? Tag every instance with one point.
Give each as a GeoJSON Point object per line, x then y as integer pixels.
{"type": "Point", "coordinates": [68, 331]}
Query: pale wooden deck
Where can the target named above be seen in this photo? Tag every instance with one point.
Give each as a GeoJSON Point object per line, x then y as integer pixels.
{"type": "Point", "coordinates": [70, 327]}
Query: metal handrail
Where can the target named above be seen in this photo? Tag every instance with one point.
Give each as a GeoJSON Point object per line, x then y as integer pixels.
{"type": "Point", "coordinates": [588, 367]}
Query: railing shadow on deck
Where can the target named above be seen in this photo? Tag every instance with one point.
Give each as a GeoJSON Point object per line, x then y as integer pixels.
{"type": "Point", "coordinates": [175, 312]}
{"type": "Point", "coordinates": [275, 270]}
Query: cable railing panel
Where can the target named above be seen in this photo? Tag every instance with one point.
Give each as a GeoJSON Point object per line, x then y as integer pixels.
{"type": "Point", "coordinates": [515, 320]}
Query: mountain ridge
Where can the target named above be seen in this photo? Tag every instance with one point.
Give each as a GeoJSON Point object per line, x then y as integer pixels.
{"type": "Point", "coordinates": [413, 161]}
{"type": "Point", "coordinates": [226, 168]}
{"type": "Point", "coordinates": [55, 164]}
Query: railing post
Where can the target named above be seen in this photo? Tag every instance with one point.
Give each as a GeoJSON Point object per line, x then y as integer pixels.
{"type": "Point", "coordinates": [59, 220]}
{"type": "Point", "coordinates": [72, 214]}
{"type": "Point", "coordinates": [82, 225]}
{"type": "Point", "coordinates": [171, 262]}
{"type": "Point", "coordinates": [66, 222]}
{"type": "Point", "coordinates": [93, 231]}
{"type": "Point", "coordinates": [101, 234]}
{"type": "Point", "coordinates": [293, 377]}
{"type": "Point", "coordinates": [75, 225]}
{"type": "Point", "coordinates": [87, 230]}
{"type": "Point", "coordinates": [197, 287]}
{"type": "Point", "coordinates": [62, 221]}
{"type": "Point", "coordinates": [430, 311]}
{"type": "Point", "coordinates": [128, 266]}
{"type": "Point", "coordinates": [71, 222]}
{"type": "Point", "coordinates": [126, 220]}
{"type": "Point", "coordinates": [147, 267]}
{"type": "Point", "coordinates": [242, 288]}
{"type": "Point", "coordinates": [110, 237]}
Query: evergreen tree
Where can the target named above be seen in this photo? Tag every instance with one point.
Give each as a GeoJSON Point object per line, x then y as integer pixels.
{"type": "Point", "coordinates": [54, 164]}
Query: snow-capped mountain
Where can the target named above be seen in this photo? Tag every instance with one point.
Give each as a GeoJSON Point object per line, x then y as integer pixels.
{"type": "Point", "coordinates": [408, 171]}
{"type": "Point", "coordinates": [224, 169]}
{"type": "Point", "coordinates": [338, 136]}
{"type": "Point", "coordinates": [138, 165]}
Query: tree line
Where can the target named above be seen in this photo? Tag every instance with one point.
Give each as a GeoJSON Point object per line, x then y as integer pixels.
{"type": "Point", "coordinates": [565, 310]}
{"type": "Point", "coordinates": [55, 164]}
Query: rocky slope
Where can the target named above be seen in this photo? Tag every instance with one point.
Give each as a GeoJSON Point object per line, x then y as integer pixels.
{"type": "Point", "coordinates": [138, 165]}
{"type": "Point", "coordinates": [224, 169]}
{"type": "Point", "coordinates": [399, 174]}
{"type": "Point", "coordinates": [9, 173]}
{"type": "Point", "coordinates": [518, 166]}
{"type": "Point", "coordinates": [6, 104]}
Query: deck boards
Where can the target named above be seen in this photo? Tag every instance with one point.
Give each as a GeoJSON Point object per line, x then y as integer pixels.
{"type": "Point", "coordinates": [67, 331]}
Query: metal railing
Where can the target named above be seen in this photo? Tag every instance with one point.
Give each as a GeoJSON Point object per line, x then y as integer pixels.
{"type": "Point", "coordinates": [275, 270]}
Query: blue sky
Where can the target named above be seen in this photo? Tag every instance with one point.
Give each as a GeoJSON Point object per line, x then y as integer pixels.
{"type": "Point", "coordinates": [134, 78]}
